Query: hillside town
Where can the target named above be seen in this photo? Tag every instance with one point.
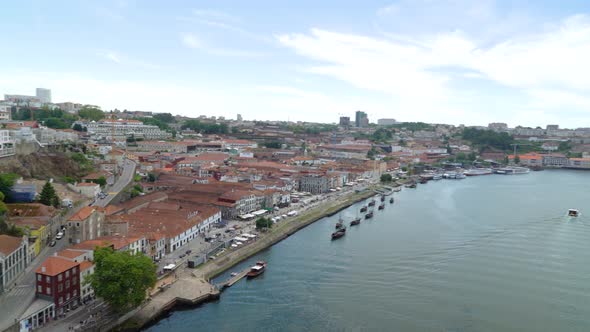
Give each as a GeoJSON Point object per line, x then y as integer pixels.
{"type": "Point", "coordinates": [179, 190]}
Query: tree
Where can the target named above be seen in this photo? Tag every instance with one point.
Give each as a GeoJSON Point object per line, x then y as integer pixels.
{"type": "Point", "coordinates": [164, 117]}
{"type": "Point", "coordinates": [272, 145]}
{"type": "Point", "coordinates": [263, 223]}
{"type": "Point", "coordinates": [122, 278]}
{"type": "Point", "coordinates": [152, 177]}
{"type": "Point", "coordinates": [506, 160]}
{"type": "Point", "coordinates": [516, 159]}
{"type": "Point", "coordinates": [471, 156]}
{"type": "Point", "coordinates": [7, 181]}
{"type": "Point", "coordinates": [48, 196]}
{"type": "Point", "coordinates": [78, 127]}
{"type": "Point", "coordinates": [3, 208]}
{"type": "Point", "coordinates": [102, 181]}
{"type": "Point", "coordinates": [386, 178]}
{"type": "Point", "coordinates": [91, 113]}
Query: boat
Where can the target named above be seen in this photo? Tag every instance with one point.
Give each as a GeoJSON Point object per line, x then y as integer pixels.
{"type": "Point", "coordinates": [397, 189]}
{"type": "Point", "coordinates": [381, 206]}
{"type": "Point", "coordinates": [478, 171]}
{"type": "Point", "coordinates": [364, 208]}
{"type": "Point", "coordinates": [460, 176]}
{"type": "Point", "coordinates": [391, 200]}
{"type": "Point", "coordinates": [339, 233]}
{"type": "Point", "coordinates": [233, 274]}
{"type": "Point", "coordinates": [369, 215]}
{"type": "Point", "coordinates": [355, 221]}
{"type": "Point", "coordinates": [512, 170]}
{"type": "Point", "coordinates": [411, 185]}
{"type": "Point", "coordinates": [372, 202]}
{"type": "Point", "coordinates": [573, 213]}
{"type": "Point", "coordinates": [339, 224]}
{"type": "Point", "coordinates": [257, 269]}
{"type": "Point", "coordinates": [382, 198]}
{"type": "Point", "coordinates": [437, 177]}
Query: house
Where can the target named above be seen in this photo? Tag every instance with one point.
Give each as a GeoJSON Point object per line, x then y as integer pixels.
{"type": "Point", "coordinates": [90, 190]}
{"type": "Point", "coordinates": [582, 163]}
{"type": "Point", "coordinates": [86, 290]}
{"type": "Point", "coordinates": [314, 183]}
{"type": "Point", "coordinates": [35, 218]}
{"type": "Point", "coordinates": [58, 281]}
{"type": "Point", "coordinates": [555, 160]}
{"type": "Point", "coordinates": [14, 259]}
{"type": "Point", "coordinates": [86, 224]}
{"type": "Point", "coordinates": [550, 146]}
{"type": "Point", "coordinates": [94, 177]}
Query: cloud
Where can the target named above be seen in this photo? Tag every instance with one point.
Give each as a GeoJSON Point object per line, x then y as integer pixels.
{"type": "Point", "coordinates": [426, 73]}
{"type": "Point", "coordinates": [190, 41]}
{"type": "Point", "coordinates": [124, 60]}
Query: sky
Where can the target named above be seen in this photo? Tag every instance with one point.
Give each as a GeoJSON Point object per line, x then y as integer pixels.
{"type": "Point", "coordinates": [458, 61]}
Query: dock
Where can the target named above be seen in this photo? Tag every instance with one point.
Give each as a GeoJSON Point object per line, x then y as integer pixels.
{"type": "Point", "coordinates": [231, 281]}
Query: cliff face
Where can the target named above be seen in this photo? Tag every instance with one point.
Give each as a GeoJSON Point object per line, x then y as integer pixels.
{"type": "Point", "coordinates": [41, 165]}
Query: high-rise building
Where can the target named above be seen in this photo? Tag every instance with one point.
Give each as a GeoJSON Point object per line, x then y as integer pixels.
{"type": "Point", "coordinates": [239, 117]}
{"type": "Point", "coordinates": [386, 122]}
{"type": "Point", "coordinates": [361, 119]}
{"type": "Point", "coordinates": [345, 121]}
{"type": "Point", "coordinates": [44, 95]}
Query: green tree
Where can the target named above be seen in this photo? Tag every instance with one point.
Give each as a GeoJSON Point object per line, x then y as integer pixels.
{"type": "Point", "coordinates": [386, 178]}
{"type": "Point", "coordinates": [272, 145]}
{"type": "Point", "coordinates": [102, 181]}
{"type": "Point", "coordinates": [91, 113]}
{"type": "Point", "coordinates": [164, 117]}
{"type": "Point", "coordinates": [516, 159]}
{"type": "Point", "coordinates": [122, 278]}
{"type": "Point", "coordinates": [7, 181]}
{"type": "Point", "coordinates": [472, 156]}
{"type": "Point", "coordinates": [78, 127]}
{"type": "Point", "coordinates": [152, 177]}
{"type": "Point", "coordinates": [263, 223]}
{"type": "Point", "coordinates": [506, 160]}
{"type": "Point", "coordinates": [3, 208]}
{"type": "Point", "coordinates": [48, 196]}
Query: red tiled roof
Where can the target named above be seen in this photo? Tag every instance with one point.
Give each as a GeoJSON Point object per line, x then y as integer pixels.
{"type": "Point", "coordinates": [83, 214]}
{"type": "Point", "coordinates": [8, 244]}
{"type": "Point", "coordinates": [53, 266]}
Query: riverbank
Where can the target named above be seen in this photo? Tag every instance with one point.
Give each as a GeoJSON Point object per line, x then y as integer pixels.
{"type": "Point", "coordinates": [192, 287]}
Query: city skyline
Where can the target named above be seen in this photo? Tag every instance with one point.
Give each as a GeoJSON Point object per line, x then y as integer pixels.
{"type": "Point", "coordinates": [472, 64]}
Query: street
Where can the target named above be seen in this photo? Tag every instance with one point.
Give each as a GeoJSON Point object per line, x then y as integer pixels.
{"type": "Point", "coordinates": [122, 182]}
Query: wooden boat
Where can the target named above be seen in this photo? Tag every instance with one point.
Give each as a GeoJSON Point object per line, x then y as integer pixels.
{"type": "Point", "coordinates": [573, 213]}
{"type": "Point", "coordinates": [257, 269]}
{"type": "Point", "coordinates": [364, 208]}
{"type": "Point", "coordinates": [355, 222]}
{"type": "Point", "coordinates": [382, 198]}
{"type": "Point", "coordinates": [372, 203]}
{"type": "Point", "coordinates": [391, 200]}
{"type": "Point", "coordinates": [369, 215]}
{"type": "Point", "coordinates": [339, 233]}
{"type": "Point", "coordinates": [381, 206]}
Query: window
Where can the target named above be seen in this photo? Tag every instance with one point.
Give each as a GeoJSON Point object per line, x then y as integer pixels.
{"type": "Point", "coordinates": [67, 274]}
{"type": "Point", "coordinates": [60, 288]}
{"type": "Point", "coordinates": [77, 224]}
{"type": "Point", "coordinates": [39, 277]}
{"type": "Point", "coordinates": [67, 284]}
{"type": "Point", "coordinates": [67, 296]}
{"type": "Point", "coordinates": [74, 270]}
{"type": "Point", "coordinates": [61, 300]}
{"type": "Point", "coordinates": [47, 279]}
{"type": "Point", "coordinates": [48, 291]}
{"type": "Point", "coordinates": [39, 289]}
{"type": "Point", "coordinates": [59, 276]}
{"type": "Point", "coordinates": [75, 281]}
{"type": "Point", "coordinates": [75, 293]}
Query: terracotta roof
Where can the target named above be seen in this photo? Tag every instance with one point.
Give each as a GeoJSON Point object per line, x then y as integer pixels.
{"type": "Point", "coordinates": [53, 266]}
{"type": "Point", "coordinates": [85, 265]}
{"type": "Point", "coordinates": [85, 184]}
{"type": "Point", "coordinates": [83, 214]}
{"type": "Point", "coordinates": [8, 244]}
{"type": "Point", "coordinates": [70, 253]}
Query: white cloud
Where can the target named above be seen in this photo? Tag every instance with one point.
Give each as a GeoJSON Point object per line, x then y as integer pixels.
{"type": "Point", "coordinates": [551, 66]}
{"type": "Point", "coordinates": [190, 41]}
{"type": "Point", "coordinates": [125, 60]}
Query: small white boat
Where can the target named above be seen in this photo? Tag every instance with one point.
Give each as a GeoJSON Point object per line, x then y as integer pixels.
{"type": "Point", "coordinates": [233, 274]}
{"type": "Point", "coordinates": [573, 213]}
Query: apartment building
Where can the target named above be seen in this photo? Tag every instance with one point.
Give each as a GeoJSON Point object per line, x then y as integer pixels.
{"type": "Point", "coordinates": [14, 259]}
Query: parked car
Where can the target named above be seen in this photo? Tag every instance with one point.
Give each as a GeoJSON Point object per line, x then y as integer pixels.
{"type": "Point", "coordinates": [182, 255]}
{"type": "Point", "coordinates": [59, 236]}
{"type": "Point", "coordinates": [188, 251]}
{"type": "Point", "coordinates": [52, 243]}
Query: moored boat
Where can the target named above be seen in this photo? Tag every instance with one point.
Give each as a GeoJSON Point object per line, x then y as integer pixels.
{"type": "Point", "coordinates": [355, 222]}
{"type": "Point", "coordinates": [381, 206]}
{"type": "Point", "coordinates": [437, 177]}
{"type": "Point", "coordinates": [369, 215]}
{"type": "Point", "coordinates": [512, 170]}
{"type": "Point", "coordinates": [364, 208]}
{"type": "Point", "coordinates": [256, 270]}
{"type": "Point", "coordinates": [382, 198]}
{"type": "Point", "coordinates": [372, 202]}
{"type": "Point", "coordinates": [478, 171]}
{"type": "Point", "coordinates": [391, 200]}
{"type": "Point", "coordinates": [339, 233]}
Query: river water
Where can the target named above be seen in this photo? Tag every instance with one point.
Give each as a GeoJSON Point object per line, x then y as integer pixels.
{"type": "Point", "coordinates": [488, 253]}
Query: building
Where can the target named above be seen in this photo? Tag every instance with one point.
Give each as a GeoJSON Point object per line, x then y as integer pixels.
{"type": "Point", "coordinates": [58, 281]}
{"type": "Point", "coordinates": [386, 122]}
{"type": "Point", "coordinates": [497, 126]}
{"type": "Point", "coordinates": [14, 259]}
{"type": "Point", "coordinates": [123, 129]}
{"type": "Point", "coordinates": [5, 112]}
{"type": "Point", "coordinates": [555, 160]}
{"type": "Point", "coordinates": [239, 118]}
{"type": "Point", "coordinates": [44, 95]}
{"type": "Point", "coordinates": [6, 144]}
{"type": "Point", "coordinates": [315, 184]}
{"type": "Point", "coordinates": [345, 121]}
{"type": "Point", "coordinates": [85, 225]}
{"type": "Point", "coordinates": [90, 190]}
{"type": "Point", "coordinates": [581, 163]}
{"type": "Point", "coordinates": [361, 119]}
{"type": "Point", "coordinates": [552, 127]}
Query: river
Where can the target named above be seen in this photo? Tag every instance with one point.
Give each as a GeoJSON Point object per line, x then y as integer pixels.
{"type": "Point", "coordinates": [488, 253]}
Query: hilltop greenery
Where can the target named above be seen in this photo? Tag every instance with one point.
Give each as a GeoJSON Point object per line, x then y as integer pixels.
{"type": "Point", "coordinates": [56, 118]}
{"type": "Point", "coordinates": [488, 138]}
{"type": "Point", "coordinates": [205, 128]}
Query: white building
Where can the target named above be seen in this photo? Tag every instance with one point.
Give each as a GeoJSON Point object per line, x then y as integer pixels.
{"type": "Point", "coordinates": [6, 144]}
{"type": "Point", "coordinates": [125, 128]}
{"type": "Point", "coordinates": [44, 95]}
{"type": "Point", "coordinates": [13, 259]}
{"type": "Point", "coordinates": [5, 112]}
{"type": "Point", "coordinates": [386, 122]}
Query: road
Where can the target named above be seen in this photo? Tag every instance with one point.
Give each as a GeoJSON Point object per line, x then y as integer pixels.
{"type": "Point", "coordinates": [124, 179]}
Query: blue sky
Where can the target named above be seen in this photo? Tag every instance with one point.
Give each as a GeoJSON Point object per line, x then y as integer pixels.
{"type": "Point", "coordinates": [458, 61]}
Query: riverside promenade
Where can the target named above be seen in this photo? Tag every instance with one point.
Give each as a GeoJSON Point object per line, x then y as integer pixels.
{"type": "Point", "coordinates": [191, 286]}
